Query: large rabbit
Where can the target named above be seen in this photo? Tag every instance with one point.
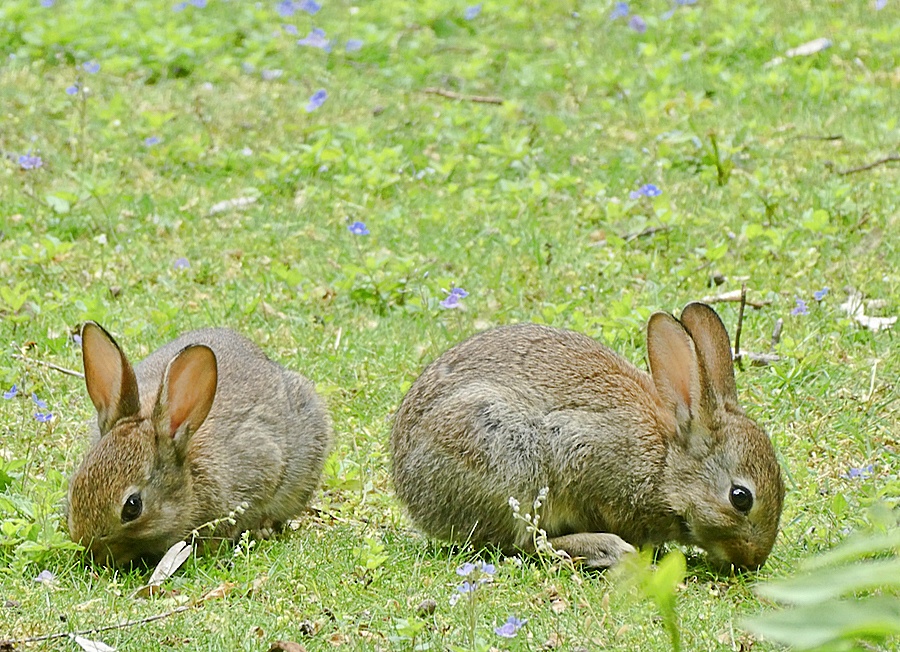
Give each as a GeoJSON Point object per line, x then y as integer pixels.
{"type": "Point", "coordinates": [630, 458]}
{"type": "Point", "coordinates": [204, 426]}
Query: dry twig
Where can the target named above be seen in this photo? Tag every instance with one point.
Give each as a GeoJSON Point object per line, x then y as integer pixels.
{"type": "Point", "coordinates": [890, 158]}
{"type": "Point", "coordinates": [49, 365]}
{"type": "Point", "coordinates": [480, 99]}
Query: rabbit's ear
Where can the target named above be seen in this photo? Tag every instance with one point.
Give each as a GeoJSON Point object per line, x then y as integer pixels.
{"type": "Point", "coordinates": [186, 394]}
{"type": "Point", "coordinates": [713, 350]}
{"type": "Point", "coordinates": [109, 377]}
{"type": "Point", "coordinates": [674, 366]}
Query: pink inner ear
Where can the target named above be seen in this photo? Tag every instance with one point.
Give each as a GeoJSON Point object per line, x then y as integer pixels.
{"type": "Point", "coordinates": [673, 363]}
{"type": "Point", "coordinates": [191, 388]}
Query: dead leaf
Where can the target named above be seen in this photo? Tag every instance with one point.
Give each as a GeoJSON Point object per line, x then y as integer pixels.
{"type": "Point", "coordinates": [337, 639]}
{"type": "Point", "coordinates": [92, 646]}
{"type": "Point", "coordinates": [238, 203]}
{"type": "Point", "coordinates": [734, 296]}
{"type": "Point", "coordinates": [855, 308]}
{"type": "Point", "coordinates": [286, 646]}
{"type": "Point", "coordinates": [218, 592]}
{"type": "Point", "coordinates": [558, 606]}
{"type": "Point", "coordinates": [171, 562]}
{"type": "Point", "coordinates": [808, 48]}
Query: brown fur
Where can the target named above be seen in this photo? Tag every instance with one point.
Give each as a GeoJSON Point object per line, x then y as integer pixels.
{"type": "Point", "coordinates": [629, 457]}
{"type": "Point", "coordinates": [203, 425]}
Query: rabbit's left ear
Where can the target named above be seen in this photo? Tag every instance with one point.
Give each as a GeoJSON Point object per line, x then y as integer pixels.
{"type": "Point", "coordinates": [186, 395]}
{"type": "Point", "coordinates": [110, 380]}
{"type": "Point", "coordinates": [713, 350]}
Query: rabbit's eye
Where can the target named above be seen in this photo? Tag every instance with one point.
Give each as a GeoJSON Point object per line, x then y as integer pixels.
{"type": "Point", "coordinates": [132, 507]}
{"type": "Point", "coordinates": [741, 498]}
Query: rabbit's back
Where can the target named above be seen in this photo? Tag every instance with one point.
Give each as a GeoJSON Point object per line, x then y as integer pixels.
{"type": "Point", "coordinates": [514, 409]}
{"type": "Point", "coordinates": [265, 439]}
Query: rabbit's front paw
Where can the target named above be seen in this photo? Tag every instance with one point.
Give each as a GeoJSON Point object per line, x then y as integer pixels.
{"type": "Point", "coordinates": [594, 549]}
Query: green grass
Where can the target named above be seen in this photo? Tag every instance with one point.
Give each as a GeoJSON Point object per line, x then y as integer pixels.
{"type": "Point", "coordinates": [525, 205]}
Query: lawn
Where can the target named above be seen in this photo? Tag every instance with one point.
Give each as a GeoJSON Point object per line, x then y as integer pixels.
{"type": "Point", "coordinates": [168, 166]}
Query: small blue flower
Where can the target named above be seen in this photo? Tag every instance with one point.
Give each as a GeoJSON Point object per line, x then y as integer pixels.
{"type": "Point", "coordinates": [510, 628]}
{"type": "Point", "coordinates": [619, 11]}
{"type": "Point", "coordinates": [150, 141]}
{"type": "Point", "coordinates": [685, 3]}
{"type": "Point", "coordinates": [290, 29]}
{"type": "Point", "coordinates": [72, 90]}
{"type": "Point", "coordinates": [91, 67]}
{"type": "Point", "coordinates": [77, 339]}
{"type": "Point", "coordinates": [11, 392]}
{"type": "Point", "coordinates": [638, 24]}
{"type": "Point", "coordinates": [180, 6]}
{"type": "Point", "coordinates": [353, 45]}
{"type": "Point", "coordinates": [46, 4]}
{"type": "Point", "coordinates": [316, 39]}
{"type": "Point", "coordinates": [818, 295]}
{"type": "Point", "coordinates": [285, 8]}
{"type": "Point", "coordinates": [466, 569]}
{"type": "Point", "coordinates": [318, 99]}
{"type": "Point", "coordinates": [472, 12]}
{"type": "Point", "coordinates": [880, 4]}
{"type": "Point", "coordinates": [310, 6]}
{"type": "Point", "coordinates": [45, 576]}
{"type": "Point", "coordinates": [452, 301]}
{"type": "Point", "coordinates": [647, 190]}
{"type": "Point", "coordinates": [800, 308]}
{"type": "Point", "coordinates": [30, 161]}
{"type": "Point", "coordinates": [861, 472]}
{"type": "Point", "coordinates": [41, 404]}
{"type": "Point", "coordinates": [358, 228]}
{"type": "Point", "coordinates": [42, 417]}
{"type": "Point", "coordinates": [466, 587]}
{"type": "Point", "coordinates": [181, 263]}
{"type": "Point", "coordinates": [200, 4]}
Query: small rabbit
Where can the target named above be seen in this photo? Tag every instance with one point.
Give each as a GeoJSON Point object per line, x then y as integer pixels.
{"type": "Point", "coordinates": [205, 425]}
{"type": "Point", "coordinates": [630, 458]}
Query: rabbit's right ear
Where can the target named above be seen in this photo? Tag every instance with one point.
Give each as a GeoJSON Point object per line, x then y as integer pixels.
{"type": "Point", "coordinates": [186, 394]}
{"type": "Point", "coordinates": [109, 377]}
{"type": "Point", "coordinates": [674, 366]}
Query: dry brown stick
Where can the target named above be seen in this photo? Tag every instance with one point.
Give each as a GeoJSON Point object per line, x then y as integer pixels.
{"type": "Point", "coordinates": [862, 168]}
{"type": "Point", "coordinates": [650, 230]}
{"type": "Point", "coordinates": [9, 643]}
{"type": "Point", "coordinates": [740, 325]}
{"type": "Point", "coordinates": [815, 137]}
{"type": "Point", "coordinates": [50, 365]}
{"type": "Point", "coordinates": [481, 99]}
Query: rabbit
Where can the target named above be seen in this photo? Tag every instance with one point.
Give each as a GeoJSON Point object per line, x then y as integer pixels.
{"type": "Point", "coordinates": [204, 426]}
{"type": "Point", "coordinates": [630, 458]}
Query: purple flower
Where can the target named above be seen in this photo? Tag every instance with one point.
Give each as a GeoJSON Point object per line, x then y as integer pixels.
{"type": "Point", "coordinates": [77, 339]}
{"type": "Point", "coordinates": [358, 228]}
{"type": "Point", "coordinates": [181, 6]}
{"type": "Point", "coordinates": [353, 45]}
{"type": "Point", "coordinates": [800, 308]}
{"type": "Point", "coordinates": [200, 4]}
{"type": "Point", "coordinates": [72, 90]}
{"type": "Point", "coordinates": [181, 263]}
{"type": "Point", "coordinates": [42, 417]}
{"type": "Point", "coordinates": [318, 99]}
{"type": "Point", "coordinates": [472, 12]}
{"type": "Point", "coordinates": [465, 570]}
{"type": "Point", "coordinates": [510, 628]}
{"type": "Point", "coordinates": [880, 4]}
{"type": "Point", "coordinates": [310, 6]}
{"type": "Point", "coordinates": [290, 29]}
{"type": "Point", "coordinates": [818, 295]}
{"type": "Point", "coordinates": [91, 67]}
{"type": "Point", "coordinates": [647, 190]}
{"type": "Point", "coordinates": [452, 301]}
{"type": "Point", "coordinates": [861, 472]}
{"type": "Point", "coordinates": [285, 8]}
{"type": "Point", "coordinates": [316, 39]}
{"type": "Point", "coordinates": [150, 141]}
{"type": "Point", "coordinates": [11, 392]}
{"type": "Point", "coordinates": [41, 404]}
{"type": "Point", "coordinates": [685, 3]}
{"type": "Point", "coordinates": [30, 161]}
{"type": "Point", "coordinates": [45, 576]}
{"type": "Point", "coordinates": [619, 11]}
{"type": "Point", "coordinates": [638, 24]}
{"type": "Point", "coordinates": [46, 4]}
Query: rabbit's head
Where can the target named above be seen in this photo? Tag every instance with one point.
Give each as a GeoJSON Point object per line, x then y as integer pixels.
{"type": "Point", "coordinates": [722, 476]}
{"type": "Point", "coordinates": [131, 498]}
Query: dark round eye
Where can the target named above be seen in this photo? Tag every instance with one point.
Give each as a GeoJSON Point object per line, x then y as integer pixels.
{"type": "Point", "coordinates": [741, 498]}
{"type": "Point", "coordinates": [132, 507]}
